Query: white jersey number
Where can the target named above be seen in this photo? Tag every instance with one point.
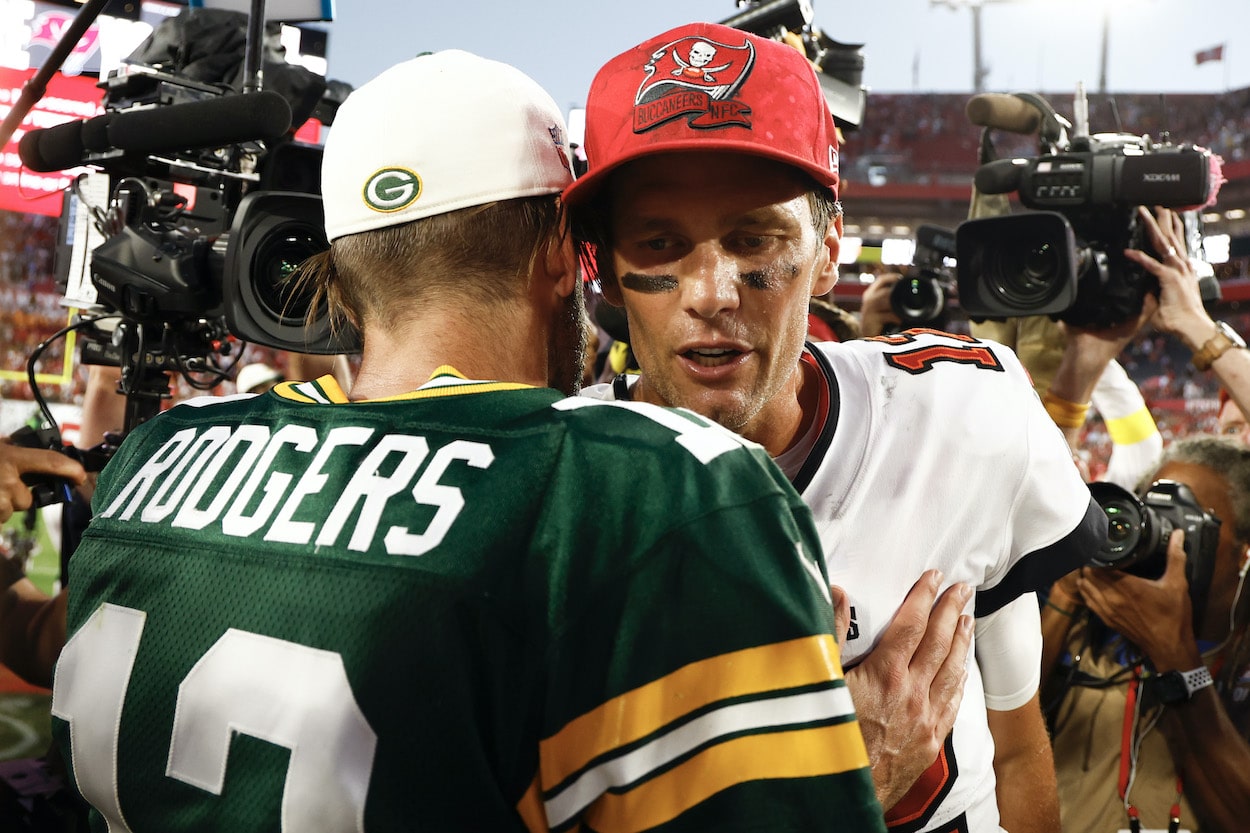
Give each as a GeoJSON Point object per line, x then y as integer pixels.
{"type": "Point", "coordinates": [278, 691]}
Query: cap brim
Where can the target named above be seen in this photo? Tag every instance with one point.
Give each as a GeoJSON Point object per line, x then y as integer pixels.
{"type": "Point", "coordinates": [587, 185]}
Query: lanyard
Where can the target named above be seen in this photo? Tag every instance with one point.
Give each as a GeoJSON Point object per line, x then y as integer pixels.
{"type": "Point", "coordinates": [1127, 763]}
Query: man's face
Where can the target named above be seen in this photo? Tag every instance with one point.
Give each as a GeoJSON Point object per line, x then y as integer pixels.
{"type": "Point", "coordinates": [715, 257]}
{"type": "Point", "coordinates": [1233, 423]}
{"type": "Point", "coordinates": [1211, 491]}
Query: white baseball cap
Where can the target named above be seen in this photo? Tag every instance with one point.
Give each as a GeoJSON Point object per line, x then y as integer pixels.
{"type": "Point", "coordinates": [440, 132]}
{"type": "Point", "coordinates": [252, 376]}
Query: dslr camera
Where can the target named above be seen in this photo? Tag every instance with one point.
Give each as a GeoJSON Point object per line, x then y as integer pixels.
{"type": "Point", "coordinates": [1065, 257]}
{"type": "Point", "coordinates": [921, 298]}
{"type": "Point", "coordinates": [1138, 530]}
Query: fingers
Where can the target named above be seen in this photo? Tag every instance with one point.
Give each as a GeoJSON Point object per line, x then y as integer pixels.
{"type": "Point", "coordinates": [42, 461]}
{"type": "Point", "coordinates": [943, 638]}
{"type": "Point", "coordinates": [841, 612]}
{"type": "Point", "coordinates": [1176, 554]}
{"type": "Point", "coordinates": [911, 619]}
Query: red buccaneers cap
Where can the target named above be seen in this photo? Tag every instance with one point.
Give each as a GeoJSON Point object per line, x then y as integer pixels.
{"type": "Point", "coordinates": [708, 87]}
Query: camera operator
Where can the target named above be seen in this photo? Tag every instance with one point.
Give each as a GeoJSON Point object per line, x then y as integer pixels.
{"type": "Point", "coordinates": [1137, 659]}
{"type": "Point", "coordinates": [1116, 627]}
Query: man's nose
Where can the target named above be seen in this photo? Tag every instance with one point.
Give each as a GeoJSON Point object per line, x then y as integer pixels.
{"type": "Point", "coordinates": [712, 283]}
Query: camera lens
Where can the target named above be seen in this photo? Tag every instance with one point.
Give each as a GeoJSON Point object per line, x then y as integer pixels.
{"type": "Point", "coordinates": [275, 260]}
{"type": "Point", "coordinates": [918, 299]}
{"type": "Point", "coordinates": [1123, 528]}
{"type": "Point", "coordinates": [1028, 275]}
{"type": "Point", "coordinates": [1136, 533]}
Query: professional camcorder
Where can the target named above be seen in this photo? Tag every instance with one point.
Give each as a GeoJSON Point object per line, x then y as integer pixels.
{"type": "Point", "coordinates": [921, 298]}
{"type": "Point", "coordinates": [199, 207]}
{"type": "Point", "coordinates": [1065, 258]}
{"type": "Point", "coordinates": [1138, 530]}
{"type": "Point", "coordinates": [199, 212]}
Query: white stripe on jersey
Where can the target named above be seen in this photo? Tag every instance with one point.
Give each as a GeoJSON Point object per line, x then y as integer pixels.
{"type": "Point", "coordinates": [797, 709]}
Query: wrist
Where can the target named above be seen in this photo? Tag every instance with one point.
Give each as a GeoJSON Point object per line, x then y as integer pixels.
{"type": "Point", "coordinates": [1065, 413]}
{"type": "Point", "coordinates": [1195, 332]}
{"type": "Point", "coordinates": [1223, 339]}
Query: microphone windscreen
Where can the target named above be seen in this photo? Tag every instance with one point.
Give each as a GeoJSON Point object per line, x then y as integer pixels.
{"type": "Point", "coordinates": [211, 123]}
{"type": "Point", "coordinates": [1004, 112]}
{"type": "Point", "coordinates": [53, 148]}
{"type": "Point", "coordinates": [95, 133]}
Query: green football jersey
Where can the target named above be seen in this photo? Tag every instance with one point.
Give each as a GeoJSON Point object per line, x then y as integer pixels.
{"type": "Point", "coordinates": [475, 607]}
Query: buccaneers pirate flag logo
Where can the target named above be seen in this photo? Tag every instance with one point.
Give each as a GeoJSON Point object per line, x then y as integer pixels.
{"type": "Point", "coordinates": [694, 78]}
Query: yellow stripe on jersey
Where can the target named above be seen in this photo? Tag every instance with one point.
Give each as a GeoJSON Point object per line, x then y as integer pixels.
{"type": "Point", "coordinates": [454, 390]}
{"type": "Point", "coordinates": [1133, 428]}
{"type": "Point", "coordinates": [647, 709]}
{"type": "Point", "coordinates": [334, 394]}
{"type": "Point", "coordinates": [287, 390]}
{"type": "Point", "coordinates": [799, 753]}
{"type": "Point", "coordinates": [530, 808]}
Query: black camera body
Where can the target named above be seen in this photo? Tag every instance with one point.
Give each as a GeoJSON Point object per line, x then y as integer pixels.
{"type": "Point", "coordinates": [1065, 258]}
{"type": "Point", "coordinates": [181, 263]}
{"type": "Point", "coordinates": [1138, 530]}
{"type": "Point", "coordinates": [922, 297]}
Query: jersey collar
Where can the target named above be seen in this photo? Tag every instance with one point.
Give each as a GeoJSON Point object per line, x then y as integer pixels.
{"type": "Point", "coordinates": [444, 381]}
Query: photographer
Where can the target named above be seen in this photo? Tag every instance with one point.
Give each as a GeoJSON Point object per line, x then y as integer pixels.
{"type": "Point", "coordinates": [1128, 641]}
{"type": "Point", "coordinates": [1109, 632]}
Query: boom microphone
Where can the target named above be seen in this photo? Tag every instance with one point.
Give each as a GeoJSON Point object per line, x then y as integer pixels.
{"type": "Point", "coordinates": [211, 123]}
{"type": "Point", "coordinates": [53, 148]}
{"type": "Point", "coordinates": [1004, 112]}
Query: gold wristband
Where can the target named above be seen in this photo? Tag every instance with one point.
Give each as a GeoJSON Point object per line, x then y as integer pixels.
{"type": "Point", "coordinates": [1065, 414]}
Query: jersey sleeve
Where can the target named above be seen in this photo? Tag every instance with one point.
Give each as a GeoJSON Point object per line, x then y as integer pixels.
{"type": "Point", "coordinates": [702, 690]}
{"type": "Point", "coordinates": [1009, 653]}
{"type": "Point", "coordinates": [1055, 525]}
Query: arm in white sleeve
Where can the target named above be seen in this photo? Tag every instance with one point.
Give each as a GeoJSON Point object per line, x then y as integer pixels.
{"type": "Point", "coordinates": [1136, 442]}
{"type": "Point", "coordinates": [1009, 653]}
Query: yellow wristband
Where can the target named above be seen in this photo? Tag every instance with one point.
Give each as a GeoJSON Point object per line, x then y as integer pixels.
{"type": "Point", "coordinates": [1065, 414]}
{"type": "Point", "coordinates": [1133, 428]}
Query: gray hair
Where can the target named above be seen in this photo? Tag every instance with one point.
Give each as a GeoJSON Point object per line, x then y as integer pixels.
{"type": "Point", "coordinates": [1227, 457]}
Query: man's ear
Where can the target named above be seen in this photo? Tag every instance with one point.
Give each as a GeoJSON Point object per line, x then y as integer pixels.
{"type": "Point", "coordinates": [827, 278]}
{"type": "Point", "coordinates": [559, 264]}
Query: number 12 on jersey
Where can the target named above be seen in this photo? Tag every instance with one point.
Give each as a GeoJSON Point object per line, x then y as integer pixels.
{"type": "Point", "coordinates": [282, 692]}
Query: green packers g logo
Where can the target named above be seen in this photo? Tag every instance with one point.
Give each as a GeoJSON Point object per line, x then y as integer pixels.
{"type": "Point", "coordinates": [391, 189]}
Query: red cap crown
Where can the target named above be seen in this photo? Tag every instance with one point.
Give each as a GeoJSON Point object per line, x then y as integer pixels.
{"type": "Point", "coordinates": [704, 87]}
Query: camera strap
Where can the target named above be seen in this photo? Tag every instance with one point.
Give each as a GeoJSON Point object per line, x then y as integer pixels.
{"type": "Point", "coordinates": [1128, 761]}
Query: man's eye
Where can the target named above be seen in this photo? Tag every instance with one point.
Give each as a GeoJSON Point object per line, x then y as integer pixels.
{"type": "Point", "coordinates": [752, 241]}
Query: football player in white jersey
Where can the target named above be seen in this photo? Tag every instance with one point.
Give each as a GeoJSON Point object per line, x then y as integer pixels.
{"type": "Point", "coordinates": [710, 207]}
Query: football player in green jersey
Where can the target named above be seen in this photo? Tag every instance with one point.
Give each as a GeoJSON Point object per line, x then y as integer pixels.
{"type": "Point", "coordinates": [451, 599]}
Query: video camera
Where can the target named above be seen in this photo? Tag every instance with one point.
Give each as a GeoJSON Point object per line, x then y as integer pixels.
{"type": "Point", "coordinates": [204, 208]}
{"type": "Point", "coordinates": [1138, 530]}
{"type": "Point", "coordinates": [921, 298]}
{"type": "Point", "coordinates": [1065, 258]}
{"type": "Point", "coordinates": [840, 66]}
